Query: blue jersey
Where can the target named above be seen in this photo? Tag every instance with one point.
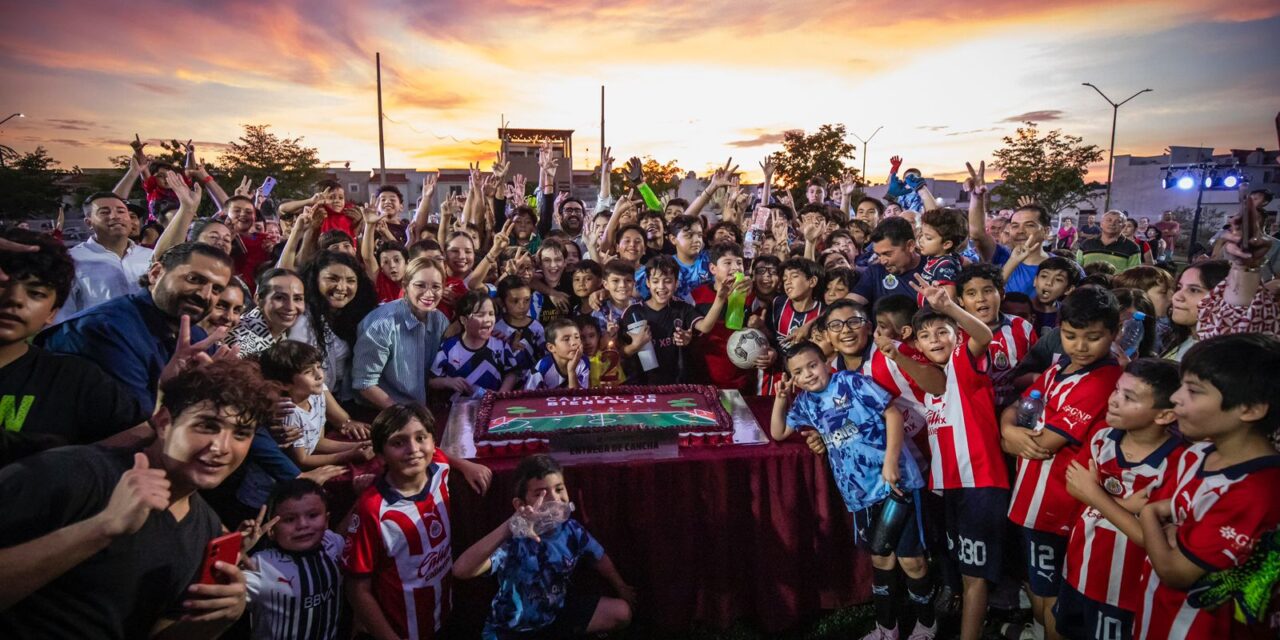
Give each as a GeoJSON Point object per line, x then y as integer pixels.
{"type": "Point", "coordinates": [849, 414]}
{"type": "Point", "coordinates": [483, 367]}
{"type": "Point", "coordinates": [533, 577]}
{"type": "Point", "coordinates": [691, 277]}
{"type": "Point", "coordinates": [545, 375]}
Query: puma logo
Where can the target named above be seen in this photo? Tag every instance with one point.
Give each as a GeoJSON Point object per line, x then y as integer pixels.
{"type": "Point", "coordinates": [288, 581]}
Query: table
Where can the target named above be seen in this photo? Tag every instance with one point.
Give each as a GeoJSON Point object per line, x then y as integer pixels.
{"type": "Point", "coordinates": [757, 534]}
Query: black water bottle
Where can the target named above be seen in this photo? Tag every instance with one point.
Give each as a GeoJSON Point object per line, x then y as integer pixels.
{"type": "Point", "coordinates": [888, 527]}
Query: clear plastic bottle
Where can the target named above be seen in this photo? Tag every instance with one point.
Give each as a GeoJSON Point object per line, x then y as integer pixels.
{"type": "Point", "coordinates": [1029, 410]}
{"type": "Point", "coordinates": [1131, 333]}
{"type": "Point", "coordinates": [545, 519]}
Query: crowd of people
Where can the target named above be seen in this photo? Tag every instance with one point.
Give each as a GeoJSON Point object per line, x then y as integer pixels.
{"type": "Point", "coordinates": [1067, 410]}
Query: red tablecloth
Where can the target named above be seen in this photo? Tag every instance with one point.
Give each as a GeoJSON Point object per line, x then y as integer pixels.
{"type": "Point", "coordinates": [757, 534]}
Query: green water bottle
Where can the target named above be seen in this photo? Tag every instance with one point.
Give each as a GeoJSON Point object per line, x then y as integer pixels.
{"type": "Point", "coordinates": [737, 312]}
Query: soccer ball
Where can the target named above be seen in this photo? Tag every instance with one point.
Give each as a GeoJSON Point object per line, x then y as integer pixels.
{"type": "Point", "coordinates": [745, 346]}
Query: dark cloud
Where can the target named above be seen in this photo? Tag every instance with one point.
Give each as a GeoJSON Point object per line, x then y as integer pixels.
{"type": "Point", "coordinates": [933, 127]}
{"type": "Point", "coordinates": [760, 140]}
{"type": "Point", "coordinates": [971, 131]}
{"type": "Point", "coordinates": [69, 142]}
{"type": "Point", "coordinates": [1036, 116]}
{"type": "Point", "coordinates": [156, 87]}
{"type": "Point", "coordinates": [68, 124]}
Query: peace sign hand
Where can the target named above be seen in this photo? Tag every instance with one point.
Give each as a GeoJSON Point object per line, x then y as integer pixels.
{"type": "Point", "coordinates": [936, 297]}
{"type": "Point", "coordinates": [253, 530]}
{"type": "Point", "coordinates": [187, 355]}
{"type": "Point", "coordinates": [976, 183]}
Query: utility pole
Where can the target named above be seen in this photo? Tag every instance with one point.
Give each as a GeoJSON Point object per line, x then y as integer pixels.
{"type": "Point", "coordinates": [382, 149]}
{"type": "Point", "coordinates": [1111, 153]}
{"type": "Point", "coordinates": [864, 151]}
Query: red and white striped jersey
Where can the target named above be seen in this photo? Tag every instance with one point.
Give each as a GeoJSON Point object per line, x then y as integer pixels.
{"type": "Point", "coordinates": [781, 319]}
{"type": "Point", "coordinates": [403, 544]}
{"type": "Point", "coordinates": [1220, 515]}
{"type": "Point", "coordinates": [964, 437]}
{"type": "Point", "coordinates": [1102, 563]}
{"type": "Point", "coordinates": [908, 397]}
{"type": "Point", "coordinates": [1011, 340]}
{"type": "Point", "coordinates": [1075, 405]}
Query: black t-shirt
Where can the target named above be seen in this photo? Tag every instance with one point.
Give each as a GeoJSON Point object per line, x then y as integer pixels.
{"type": "Point", "coordinates": [119, 592]}
{"type": "Point", "coordinates": [61, 399]}
{"type": "Point", "coordinates": [662, 324]}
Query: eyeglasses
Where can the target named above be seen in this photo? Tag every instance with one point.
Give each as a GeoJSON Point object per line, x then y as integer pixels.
{"type": "Point", "coordinates": [841, 325]}
{"type": "Point", "coordinates": [763, 271]}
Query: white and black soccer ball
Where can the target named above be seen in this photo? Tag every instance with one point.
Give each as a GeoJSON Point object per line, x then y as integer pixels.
{"type": "Point", "coordinates": [745, 346]}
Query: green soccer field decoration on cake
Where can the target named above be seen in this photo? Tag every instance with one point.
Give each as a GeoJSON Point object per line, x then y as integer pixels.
{"type": "Point", "coordinates": [566, 414]}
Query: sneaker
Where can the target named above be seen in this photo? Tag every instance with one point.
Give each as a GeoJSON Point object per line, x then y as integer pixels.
{"type": "Point", "coordinates": [922, 632]}
{"type": "Point", "coordinates": [881, 633]}
{"type": "Point", "coordinates": [947, 603]}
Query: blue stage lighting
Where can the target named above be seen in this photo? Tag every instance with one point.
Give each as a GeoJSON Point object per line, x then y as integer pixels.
{"type": "Point", "coordinates": [1186, 182]}
{"type": "Point", "coordinates": [1231, 181]}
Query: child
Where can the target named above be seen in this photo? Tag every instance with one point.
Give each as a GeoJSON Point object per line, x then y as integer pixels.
{"type": "Point", "coordinates": [839, 283]}
{"type": "Point", "coordinates": [536, 597]}
{"type": "Point", "coordinates": [604, 359]}
{"type": "Point", "coordinates": [551, 258]}
{"type": "Point", "coordinates": [586, 277]}
{"type": "Point", "coordinates": [1074, 393]}
{"type": "Point", "coordinates": [1018, 305]}
{"type": "Point", "coordinates": [518, 328]}
{"type": "Point", "coordinates": [790, 316]}
{"type": "Point", "coordinates": [460, 257]}
{"type": "Point", "coordinates": [391, 258]}
{"type": "Point", "coordinates": [711, 299]}
{"type": "Point", "coordinates": [905, 189]}
{"type": "Point", "coordinates": [981, 291]}
{"type": "Point", "coordinates": [619, 287]}
{"type": "Point", "coordinates": [398, 551]}
{"type": "Point", "coordinates": [1224, 492]}
{"type": "Point", "coordinates": [667, 325]}
{"type": "Point", "coordinates": [476, 361]}
{"type": "Point", "coordinates": [966, 463]}
{"type": "Point", "coordinates": [861, 434]}
{"type": "Point", "coordinates": [564, 366]}
{"type": "Point", "coordinates": [693, 263]}
{"type": "Point", "coordinates": [766, 275]}
{"type": "Point", "coordinates": [298, 367]}
{"type": "Point", "coordinates": [1158, 285]}
{"type": "Point", "coordinates": [1055, 278]}
{"type": "Point", "coordinates": [943, 233]}
{"type": "Point", "coordinates": [295, 586]}
{"type": "Point", "coordinates": [1113, 476]}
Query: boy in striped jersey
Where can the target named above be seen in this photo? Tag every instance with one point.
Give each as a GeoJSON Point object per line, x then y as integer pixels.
{"type": "Point", "coordinates": [564, 366]}
{"type": "Point", "coordinates": [1224, 492]}
{"type": "Point", "coordinates": [1113, 477]}
{"type": "Point", "coordinates": [791, 316]}
{"type": "Point", "coordinates": [966, 463]}
{"type": "Point", "coordinates": [295, 586]}
{"type": "Point", "coordinates": [980, 290]}
{"type": "Point", "coordinates": [1074, 392]}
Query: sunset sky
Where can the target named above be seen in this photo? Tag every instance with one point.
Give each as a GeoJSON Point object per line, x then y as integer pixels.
{"type": "Point", "coordinates": [695, 82]}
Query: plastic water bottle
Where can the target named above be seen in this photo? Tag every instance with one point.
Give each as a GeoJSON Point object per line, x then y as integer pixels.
{"type": "Point", "coordinates": [893, 517]}
{"type": "Point", "coordinates": [1131, 334]}
{"type": "Point", "coordinates": [737, 312]}
{"type": "Point", "coordinates": [1029, 410]}
{"type": "Point", "coordinates": [545, 519]}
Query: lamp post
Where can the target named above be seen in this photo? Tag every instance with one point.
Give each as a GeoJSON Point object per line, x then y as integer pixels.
{"type": "Point", "coordinates": [1111, 153]}
{"type": "Point", "coordinates": [864, 151]}
{"type": "Point", "coordinates": [16, 115]}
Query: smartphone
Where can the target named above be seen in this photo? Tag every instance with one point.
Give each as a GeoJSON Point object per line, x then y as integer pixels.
{"type": "Point", "coordinates": [225, 548]}
{"type": "Point", "coordinates": [267, 186]}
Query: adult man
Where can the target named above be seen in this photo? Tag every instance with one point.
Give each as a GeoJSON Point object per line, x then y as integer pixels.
{"type": "Point", "coordinates": [1111, 246]}
{"type": "Point", "coordinates": [1090, 228]}
{"type": "Point", "coordinates": [894, 242]}
{"type": "Point", "coordinates": [1169, 230]}
{"type": "Point", "coordinates": [48, 399]}
{"type": "Point", "coordinates": [120, 533]}
{"type": "Point", "coordinates": [132, 338]}
{"type": "Point", "coordinates": [1025, 235]}
{"type": "Point", "coordinates": [108, 264]}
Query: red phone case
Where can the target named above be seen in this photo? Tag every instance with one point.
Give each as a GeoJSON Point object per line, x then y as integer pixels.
{"type": "Point", "coordinates": [225, 548]}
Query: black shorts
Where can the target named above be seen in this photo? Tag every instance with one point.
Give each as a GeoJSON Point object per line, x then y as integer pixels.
{"type": "Point", "coordinates": [1046, 553]}
{"type": "Point", "coordinates": [1081, 618]}
{"type": "Point", "coordinates": [975, 526]}
{"type": "Point", "coordinates": [909, 545]}
{"type": "Point", "coordinates": [572, 620]}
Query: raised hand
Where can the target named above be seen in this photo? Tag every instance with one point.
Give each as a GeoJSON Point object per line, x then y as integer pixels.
{"type": "Point", "coordinates": [1246, 245]}
{"type": "Point", "coordinates": [779, 226]}
{"type": "Point", "coordinates": [429, 185]}
{"type": "Point", "coordinates": [848, 183]}
{"type": "Point", "coordinates": [253, 530]}
{"type": "Point", "coordinates": [635, 171]}
{"type": "Point", "coordinates": [501, 166]}
{"type": "Point", "coordinates": [187, 355]}
{"type": "Point", "coordinates": [976, 183]}
{"type": "Point", "coordinates": [188, 197]}
{"type": "Point", "coordinates": [370, 215]}
{"type": "Point", "coordinates": [894, 163]}
{"type": "Point", "coordinates": [139, 491]}
{"type": "Point", "coordinates": [768, 167]}
{"type": "Point", "coordinates": [936, 297]}
{"type": "Point", "coordinates": [1026, 201]}
{"type": "Point", "coordinates": [245, 188]}
{"type": "Point", "coordinates": [606, 161]}
{"type": "Point", "coordinates": [812, 231]}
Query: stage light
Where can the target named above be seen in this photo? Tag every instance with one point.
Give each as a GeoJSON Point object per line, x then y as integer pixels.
{"type": "Point", "coordinates": [1186, 182]}
{"type": "Point", "coordinates": [1231, 181]}
{"type": "Point", "coordinates": [1209, 178]}
{"type": "Point", "coordinates": [1166, 180]}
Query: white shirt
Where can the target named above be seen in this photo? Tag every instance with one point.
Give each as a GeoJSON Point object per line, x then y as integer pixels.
{"type": "Point", "coordinates": [309, 421]}
{"type": "Point", "coordinates": [102, 275]}
{"type": "Point", "coordinates": [337, 363]}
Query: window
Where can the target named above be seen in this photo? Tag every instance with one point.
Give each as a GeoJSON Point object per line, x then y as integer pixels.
{"type": "Point", "coordinates": [354, 187]}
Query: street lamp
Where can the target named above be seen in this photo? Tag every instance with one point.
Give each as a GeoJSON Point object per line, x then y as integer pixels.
{"type": "Point", "coordinates": [1111, 153]}
{"type": "Point", "coordinates": [864, 151]}
{"type": "Point", "coordinates": [16, 115]}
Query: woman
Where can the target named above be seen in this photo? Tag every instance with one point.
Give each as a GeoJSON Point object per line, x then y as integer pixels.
{"type": "Point", "coordinates": [1194, 285]}
{"type": "Point", "coordinates": [213, 232]}
{"type": "Point", "coordinates": [399, 340]}
{"type": "Point", "coordinates": [1156, 240]}
{"type": "Point", "coordinates": [281, 301]}
{"type": "Point", "coordinates": [1067, 233]}
{"type": "Point", "coordinates": [338, 296]}
{"type": "Point", "coordinates": [1130, 231]}
{"type": "Point", "coordinates": [228, 308]}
